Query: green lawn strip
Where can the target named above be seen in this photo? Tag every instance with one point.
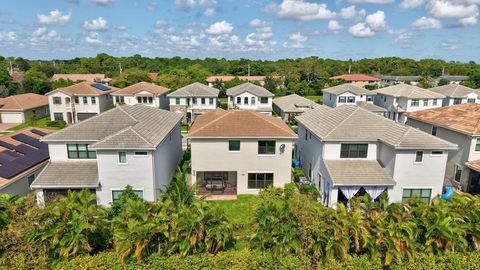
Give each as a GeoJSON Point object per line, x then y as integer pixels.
{"type": "Point", "coordinates": [40, 123]}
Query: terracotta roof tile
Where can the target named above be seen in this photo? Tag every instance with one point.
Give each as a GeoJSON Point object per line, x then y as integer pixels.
{"type": "Point", "coordinates": [83, 88]}
{"type": "Point", "coordinates": [355, 77]}
{"type": "Point", "coordinates": [474, 165]}
{"type": "Point", "coordinates": [212, 79]}
{"type": "Point", "coordinates": [153, 76]}
{"type": "Point", "coordinates": [142, 86]}
{"type": "Point", "coordinates": [23, 102]}
{"type": "Point", "coordinates": [81, 77]}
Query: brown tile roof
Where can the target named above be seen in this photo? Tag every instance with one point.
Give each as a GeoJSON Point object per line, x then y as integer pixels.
{"type": "Point", "coordinates": [142, 86]}
{"type": "Point", "coordinates": [23, 102]}
{"type": "Point", "coordinates": [83, 88]}
{"type": "Point", "coordinates": [212, 79]}
{"type": "Point", "coordinates": [17, 75]}
{"type": "Point", "coordinates": [81, 77]}
{"type": "Point", "coordinates": [355, 77]}
{"type": "Point", "coordinates": [153, 76]}
{"type": "Point", "coordinates": [474, 165]}
{"type": "Point", "coordinates": [464, 118]}
{"type": "Point", "coordinates": [239, 123]}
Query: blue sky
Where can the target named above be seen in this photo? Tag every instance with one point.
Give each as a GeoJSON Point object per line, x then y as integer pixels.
{"type": "Point", "coordinates": [256, 29]}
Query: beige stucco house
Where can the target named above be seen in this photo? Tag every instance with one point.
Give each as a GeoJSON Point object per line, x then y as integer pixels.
{"type": "Point", "coordinates": [24, 107]}
{"type": "Point", "coordinates": [148, 94]}
{"type": "Point", "coordinates": [193, 100]}
{"type": "Point", "coordinates": [240, 152]}
{"type": "Point", "coordinates": [248, 96]}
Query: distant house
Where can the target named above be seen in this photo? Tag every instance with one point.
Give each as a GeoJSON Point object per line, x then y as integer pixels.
{"type": "Point", "coordinates": [24, 107]}
{"type": "Point", "coordinates": [452, 79]}
{"type": "Point", "coordinates": [288, 107]}
{"type": "Point", "coordinates": [459, 124]}
{"type": "Point", "coordinates": [153, 76]}
{"type": "Point", "coordinates": [212, 79]}
{"type": "Point", "coordinates": [193, 100]}
{"type": "Point", "coordinates": [97, 78]}
{"type": "Point", "coordinates": [402, 98]}
{"type": "Point", "coordinates": [240, 152]}
{"type": "Point", "coordinates": [80, 101]}
{"type": "Point", "coordinates": [249, 96]}
{"type": "Point", "coordinates": [144, 93]}
{"type": "Point", "coordinates": [457, 94]}
{"type": "Point", "coordinates": [135, 145]}
{"type": "Point", "coordinates": [22, 157]}
{"type": "Point", "coordinates": [387, 80]}
{"type": "Point", "coordinates": [17, 75]}
{"type": "Point", "coordinates": [349, 94]}
{"type": "Point", "coordinates": [359, 80]}
{"type": "Point", "coordinates": [348, 151]}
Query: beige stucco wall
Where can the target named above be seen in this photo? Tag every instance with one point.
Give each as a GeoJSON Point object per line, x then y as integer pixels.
{"type": "Point", "coordinates": [213, 155]}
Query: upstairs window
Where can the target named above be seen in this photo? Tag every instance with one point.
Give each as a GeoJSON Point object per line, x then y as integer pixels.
{"type": "Point", "coordinates": [369, 98]}
{"type": "Point", "coordinates": [419, 157]}
{"type": "Point", "coordinates": [264, 100]}
{"type": "Point", "coordinates": [434, 102]}
{"type": "Point", "coordinates": [210, 101]}
{"type": "Point", "coordinates": [477, 145]}
{"type": "Point", "coordinates": [203, 101]}
{"type": "Point", "coordinates": [415, 102]}
{"type": "Point", "coordinates": [471, 100]}
{"type": "Point", "coordinates": [342, 99]}
{"type": "Point", "coordinates": [354, 150]}
{"type": "Point", "coordinates": [434, 130]}
{"type": "Point", "coordinates": [80, 151]}
{"type": "Point", "coordinates": [457, 101]}
{"type": "Point", "coordinates": [122, 157]}
{"type": "Point", "coordinates": [57, 100]}
{"type": "Point", "coordinates": [140, 153]}
{"type": "Point", "coordinates": [150, 100]}
{"type": "Point", "coordinates": [266, 147]}
{"type": "Point", "coordinates": [77, 100]}
{"type": "Point", "coordinates": [94, 100]}
{"type": "Point", "coordinates": [177, 101]}
{"type": "Point", "coordinates": [245, 100]}
{"type": "Point", "coordinates": [253, 100]}
{"type": "Point", "coordinates": [351, 99]}
{"type": "Point", "coordinates": [458, 173]}
{"type": "Point", "coordinates": [194, 100]}
{"type": "Point", "coordinates": [425, 102]}
{"type": "Point", "coordinates": [85, 100]}
{"type": "Point", "coordinates": [239, 100]}
{"type": "Point", "coordinates": [233, 145]}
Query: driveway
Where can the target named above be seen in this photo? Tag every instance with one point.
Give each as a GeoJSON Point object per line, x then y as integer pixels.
{"type": "Point", "coordinates": [5, 126]}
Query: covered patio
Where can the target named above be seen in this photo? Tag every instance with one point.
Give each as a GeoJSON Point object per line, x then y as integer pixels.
{"type": "Point", "coordinates": [217, 183]}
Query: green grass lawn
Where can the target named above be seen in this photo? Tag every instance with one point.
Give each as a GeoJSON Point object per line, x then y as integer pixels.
{"type": "Point", "coordinates": [184, 128]}
{"type": "Point", "coordinates": [318, 99]}
{"type": "Point", "coordinates": [240, 212]}
{"type": "Point", "coordinates": [40, 123]}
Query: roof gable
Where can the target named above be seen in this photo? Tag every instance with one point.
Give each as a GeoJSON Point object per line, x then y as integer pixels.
{"type": "Point", "coordinates": [348, 87]}
{"type": "Point", "coordinates": [407, 91]}
{"type": "Point", "coordinates": [138, 88]}
{"type": "Point", "coordinates": [195, 90]}
{"type": "Point", "coordinates": [251, 88]}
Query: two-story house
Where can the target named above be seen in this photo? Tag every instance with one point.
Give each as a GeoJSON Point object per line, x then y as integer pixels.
{"type": "Point", "coordinates": [80, 101]}
{"type": "Point", "coordinates": [402, 98]}
{"type": "Point", "coordinates": [288, 107]}
{"type": "Point", "coordinates": [240, 152]}
{"type": "Point", "coordinates": [457, 94]}
{"type": "Point", "coordinates": [144, 93]}
{"type": "Point", "coordinates": [459, 124]}
{"type": "Point", "coordinates": [135, 145]}
{"type": "Point", "coordinates": [249, 96]}
{"type": "Point", "coordinates": [350, 94]}
{"type": "Point", "coordinates": [193, 100]}
{"type": "Point", "coordinates": [348, 151]}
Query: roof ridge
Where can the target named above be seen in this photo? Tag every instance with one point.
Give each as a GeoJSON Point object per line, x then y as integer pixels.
{"type": "Point", "coordinates": [124, 111]}
{"type": "Point", "coordinates": [343, 121]}
{"type": "Point", "coordinates": [264, 117]}
{"type": "Point", "coordinates": [143, 138]}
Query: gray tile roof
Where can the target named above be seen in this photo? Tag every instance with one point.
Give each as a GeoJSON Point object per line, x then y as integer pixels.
{"type": "Point", "coordinates": [68, 174]}
{"type": "Point", "coordinates": [454, 77]}
{"type": "Point", "coordinates": [348, 87]}
{"type": "Point", "coordinates": [251, 88]}
{"type": "Point", "coordinates": [195, 90]}
{"type": "Point", "coordinates": [358, 172]}
{"type": "Point", "coordinates": [454, 90]}
{"type": "Point", "coordinates": [370, 106]}
{"type": "Point", "coordinates": [124, 127]}
{"type": "Point", "coordinates": [294, 103]}
{"type": "Point", "coordinates": [407, 91]}
{"type": "Point", "coordinates": [352, 123]}
{"type": "Point", "coordinates": [399, 78]}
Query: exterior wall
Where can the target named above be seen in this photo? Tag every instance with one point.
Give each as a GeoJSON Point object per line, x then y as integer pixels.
{"type": "Point", "coordinates": [404, 105]}
{"type": "Point", "coordinates": [450, 101]}
{"type": "Point", "coordinates": [213, 155]}
{"type": "Point", "coordinates": [12, 117]}
{"type": "Point", "coordinates": [332, 100]}
{"type": "Point", "coordinates": [257, 107]}
{"type": "Point", "coordinates": [103, 102]}
{"type": "Point", "coordinates": [158, 101]}
{"type": "Point", "coordinates": [59, 108]}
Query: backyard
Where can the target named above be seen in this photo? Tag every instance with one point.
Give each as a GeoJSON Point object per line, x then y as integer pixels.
{"type": "Point", "coordinates": [40, 123]}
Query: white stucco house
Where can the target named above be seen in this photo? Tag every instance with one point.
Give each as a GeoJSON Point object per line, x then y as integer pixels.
{"type": "Point", "coordinates": [402, 98]}
{"type": "Point", "coordinates": [350, 94]}
{"type": "Point", "coordinates": [457, 94]}
{"type": "Point", "coordinates": [348, 151]}
{"type": "Point", "coordinates": [135, 145]}
{"type": "Point", "coordinates": [240, 152]}
{"type": "Point", "coordinates": [459, 124]}
{"type": "Point", "coordinates": [249, 96]}
{"type": "Point", "coordinates": [21, 108]}
{"type": "Point", "coordinates": [148, 94]}
{"type": "Point", "coordinates": [288, 107]}
{"type": "Point", "coordinates": [80, 101]}
{"type": "Point", "coordinates": [193, 100]}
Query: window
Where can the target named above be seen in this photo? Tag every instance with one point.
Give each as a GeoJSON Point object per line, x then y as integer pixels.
{"type": "Point", "coordinates": [425, 102]}
{"type": "Point", "coordinates": [194, 100]}
{"type": "Point", "coordinates": [210, 101]}
{"type": "Point", "coordinates": [177, 101]}
{"type": "Point", "coordinates": [30, 179]}
{"type": "Point", "coordinates": [369, 98]}
{"type": "Point", "coordinates": [231, 99]}
{"type": "Point", "coordinates": [351, 99]}
{"type": "Point", "coordinates": [434, 102]}
{"type": "Point", "coordinates": [260, 180]}
{"type": "Point", "coordinates": [67, 101]}
{"type": "Point", "coordinates": [457, 101]}
{"type": "Point", "coordinates": [245, 100]}
{"type": "Point", "coordinates": [150, 100]}
{"type": "Point", "coordinates": [354, 150]}
{"type": "Point", "coordinates": [422, 194]}
{"type": "Point", "coordinates": [85, 100]}
{"type": "Point", "coordinates": [253, 100]}
{"type": "Point", "coordinates": [94, 100]}
{"type": "Point", "coordinates": [145, 99]}
{"type": "Point", "coordinates": [434, 130]}
{"type": "Point", "coordinates": [116, 194]}
{"type": "Point", "coordinates": [264, 100]}
{"type": "Point", "coordinates": [471, 100]}
{"type": "Point", "coordinates": [122, 157]}
{"type": "Point", "coordinates": [419, 156]}
{"type": "Point", "coordinates": [119, 99]}
{"type": "Point", "coordinates": [437, 153]}
{"type": "Point", "coordinates": [266, 147]}
{"type": "Point", "coordinates": [342, 99]}
{"type": "Point", "coordinates": [477, 145]}
{"type": "Point", "coordinates": [306, 134]}
{"type": "Point", "coordinates": [458, 173]}
{"type": "Point", "coordinates": [77, 100]}
{"type": "Point", "coordinates": [233, 145]}
{"type": "Point", "coordinates": [203, 101]}
{"type": "Point", "coordinates": [57, 100]}
{"type": "Point", "coordinates": [80, 151]}
{"type": "Point", "coordinates": [139, 99]}
{"type": "Point", "coordinates": [58, 116]}
{"type": "Point", "coordinates": [239, 100]}
{"type": "Point", "coordinates": [384, 98]}
{"type": "Point", "coordinates": [141, 153]}
{"type": "Point", "coordinates": [415, 102]}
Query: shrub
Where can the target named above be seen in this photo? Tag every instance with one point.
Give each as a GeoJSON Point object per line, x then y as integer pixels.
{"type": "Point", "coordinates": [56, 123]}
{"type": "Point", "coordinates": [297, 173]}
{"type": "Point", "coordinates": [309, 190]}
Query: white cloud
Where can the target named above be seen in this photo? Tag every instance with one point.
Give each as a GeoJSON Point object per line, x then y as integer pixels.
{"type": "Point", "coordinates": [334, 26]}
{"type": "Point", "coordinates": [361, 30]}
{"type": "Point", "coordinates": [263, 33]}
{"type": "Point", "coordinates": [99, 24]}
{"type": "Point", "coordinates": [298, 37]}
{"type": "Point", "coordinates": [103, 2]}
{"type": "Point", "coordinates": [426, 23]}
{"type": "Point", "coordinates": [206, 3]}
{"type": "Point", "coordinates": [412, 3]}
{"type": "Point", "coordinates": [220, 28]}
{"type": "Point", "coordinates": [351, 12]}
{"type": "Point", "coordinates": [469, 21]}
{"type": "Point", "coordinates": [93, 38]}
{"type": "Point", "coordinates": [210, 12]}
{"type": "Point", "coordinates": [449, 45]}
{"type": "Point", "coordinates": [184, 5]}
{"type": "Point", "coordinates": [404, 38]}
{"type": "Point", "coordinates": [121, 27]}
{"type": "Point", "coordinates": [371, 1]}
{"type": "Point", "coordinates": [8, 36]}
{"type": "Point", "coordinates": [55, 17]}
{"type": "Point", "coordinates": [374, 23]}
{"type": "Point", "coordinates": [39, 31]}
{"type": "Point", "coordinates": [296, 41]}
{"type": "Point", "coordinates": [452, 9]}
{"type": "Point", "coordinates": [301, 10]}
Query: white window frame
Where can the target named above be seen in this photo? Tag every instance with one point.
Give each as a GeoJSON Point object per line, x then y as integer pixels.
{"type": "Point", "coordinates": [415, 160]}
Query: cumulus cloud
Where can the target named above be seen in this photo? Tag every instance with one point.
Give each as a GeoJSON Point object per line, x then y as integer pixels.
{"type": "Point", "coordinates": [103, 2]}
{"type": "Point", "coordinates": [301, 10]}
{"type": "Point", "coordinates": [93, 38]}
{"type": "Point", "coordinates": [449, 45]}
{"type": "Point", "coordinates": [220, 28]}
{"type": "Point", "coordinates": [371, 1]}
{"type": "Point", "coordinates": [210, 12]}
{"type": "Point", "coordinates": [184, 5]}
{"type": "Point", "coordinates": [55, 17]}
{"type": "Point", "coordinates": [411, 3]}
{"type": "Point", "coordinates": [426, 23]}
{"type": "Point", "coordinates": [469, 21]}
{"type": "Point", "coordinates": [263, 33]}
{"type": "Point", "coordinates": [296, 41]}
{"type": "Point", "coordinates": [99, 24]}
{"type": "Point", "coordinates": [334, 26]}
{"type": "Point", "coordinates": [8, 36]}
{"type": "Point", "coordinates": [373, 24]}
{"type": "Point", "coordinates": [452, 9]}
{"type": "Point", "coordinates": [351, 12]}
{"type": "Point", "coordinates": [404, 38]}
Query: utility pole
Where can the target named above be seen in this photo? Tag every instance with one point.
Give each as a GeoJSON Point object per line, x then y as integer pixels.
{"type": "Point", "coordinates": [11, 67]}
{"type": "Point", "coordinates": [349, 69]}
{"type": "Point", "coordinates": [248, 69]}
{"type": "Point", "coordinates": [443, 70]}
{"type": "Point", "coordinates": [120, 67]}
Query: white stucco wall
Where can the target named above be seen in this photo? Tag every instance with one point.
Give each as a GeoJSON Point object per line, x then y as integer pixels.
{"type": "Point", "coordinates": [267, 107]}
{"type": "Point", "coordinates": [157, 101]}
{"type": "Point", "coordinates": [332, 100]}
